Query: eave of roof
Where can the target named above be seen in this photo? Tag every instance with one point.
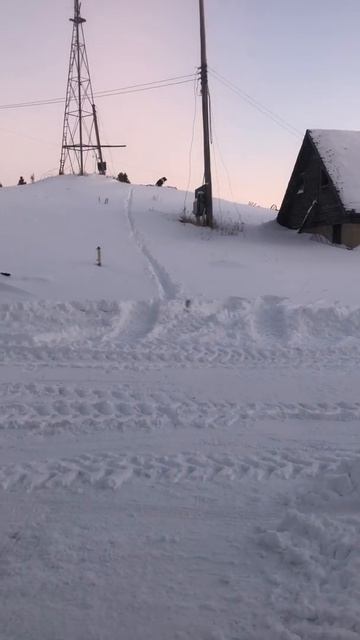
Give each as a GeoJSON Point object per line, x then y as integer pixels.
{"type": "Point", "coordinates": [340, 152]}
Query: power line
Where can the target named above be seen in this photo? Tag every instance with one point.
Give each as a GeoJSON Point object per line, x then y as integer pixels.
{"type": "Point", "coordinates": [196, 83]}
{"type": "Point", "coordinates": [189, 78]}
{"type": "Point", "coordinates": [281, 122]}
{"type": "Point", "coordinates": [157, 84]}
{"type": "Point", "coordinates": [216, 146]}
{"type": "Point", "coordinates": [227, 173]}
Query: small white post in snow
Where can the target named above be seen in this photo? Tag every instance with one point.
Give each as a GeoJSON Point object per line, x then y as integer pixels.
{"type": "Point", "coordinates": [98, 256]}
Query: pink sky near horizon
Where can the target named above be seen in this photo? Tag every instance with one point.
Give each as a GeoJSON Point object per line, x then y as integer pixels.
{"type": "Point", "coordinates": [300, 64]}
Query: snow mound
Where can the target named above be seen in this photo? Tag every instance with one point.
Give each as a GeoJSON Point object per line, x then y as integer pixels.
{"type": "Point", "coordinates": [316, 582]}
{"type": "Point", "coordinates": [179, 331]}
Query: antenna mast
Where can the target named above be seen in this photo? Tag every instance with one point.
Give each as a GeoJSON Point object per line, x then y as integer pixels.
{"type": "Point", "coordinates": [206, 119]}
{"type": "Point", "coordinates": [80, 131]}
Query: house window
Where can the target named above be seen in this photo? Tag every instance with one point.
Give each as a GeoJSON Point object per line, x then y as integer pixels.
{"type": "Point", "coordinates": [324, 180]}
{"type": "Point", "coordinates": [300, 187]}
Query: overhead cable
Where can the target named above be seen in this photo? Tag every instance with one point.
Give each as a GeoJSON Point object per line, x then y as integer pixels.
{"type": "Point", "coordinates": [281, 122]}
{"type": "Point", "coordinates": [135, 88]}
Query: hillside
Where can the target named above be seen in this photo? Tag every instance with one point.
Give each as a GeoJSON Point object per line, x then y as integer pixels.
{"type": "Point", "coordinates": [50, 231]}
{"type": "Point", "coordinates": [179, 434]}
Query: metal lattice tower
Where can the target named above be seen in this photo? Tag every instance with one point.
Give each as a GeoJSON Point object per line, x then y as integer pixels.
{"type": "Point", "coordinates": [81, 131]}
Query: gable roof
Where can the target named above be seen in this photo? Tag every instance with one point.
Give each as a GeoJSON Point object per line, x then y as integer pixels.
{"type": "Point", "coordinates": [340, 153]}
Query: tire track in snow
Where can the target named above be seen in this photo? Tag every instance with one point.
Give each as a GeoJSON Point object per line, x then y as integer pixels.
{"type": "Point", "coordinates": [51, 408]}
{"type": "Point", "coordinates": [137, 322]}
{"type": "Point", "coordinates": [167, 289]}
{"type": "Point", "coordinates": [111, 471]}
{"type": "Point", "coordinates": [229, 333]}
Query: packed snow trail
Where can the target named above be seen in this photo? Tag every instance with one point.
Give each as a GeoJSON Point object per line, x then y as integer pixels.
{"type": "Point", "coordinates": [167, 290]}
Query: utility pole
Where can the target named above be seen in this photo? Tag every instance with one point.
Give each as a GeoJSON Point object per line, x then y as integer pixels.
{"type": "Point", "coordinates": [80, 131]}
{"type": "Point", "coordinates": [206, 119]}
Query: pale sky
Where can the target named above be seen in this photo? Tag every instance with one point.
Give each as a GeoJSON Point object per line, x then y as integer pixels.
{"type": "Point", "coordinates": [298, 58]}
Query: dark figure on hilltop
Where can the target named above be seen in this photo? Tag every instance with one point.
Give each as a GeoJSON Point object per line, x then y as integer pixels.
{"type": "Point", "coordinates": [123, 177]}
{"type": "Point", "coordinates": [160, 182]}
{"type": "Point", "coordinates": [21, 181]}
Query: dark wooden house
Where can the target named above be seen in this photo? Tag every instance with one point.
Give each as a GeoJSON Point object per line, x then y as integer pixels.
{"type": "Point", "coordinates": [323, 195]}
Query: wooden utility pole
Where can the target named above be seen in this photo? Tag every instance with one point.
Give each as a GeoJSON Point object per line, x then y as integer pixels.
{"type": "Point", "coordinates": [206, 120]}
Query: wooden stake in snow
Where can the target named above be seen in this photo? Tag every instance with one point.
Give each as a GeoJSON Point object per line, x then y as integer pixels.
{"type": "Point", "coordinates": [98, 256]}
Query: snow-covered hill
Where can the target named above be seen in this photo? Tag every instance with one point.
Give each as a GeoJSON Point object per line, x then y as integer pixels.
{"type": "Point", "coordinates": [50, 231]}
{"type": "Point", "coordinates": [179, 433]}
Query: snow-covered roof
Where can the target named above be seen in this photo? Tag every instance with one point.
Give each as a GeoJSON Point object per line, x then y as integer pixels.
{"type": "Point", "coordinates": [340, 152]}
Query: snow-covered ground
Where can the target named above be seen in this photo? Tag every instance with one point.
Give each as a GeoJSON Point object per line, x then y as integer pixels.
{"type": "Point", "coordinates": [179, 429]}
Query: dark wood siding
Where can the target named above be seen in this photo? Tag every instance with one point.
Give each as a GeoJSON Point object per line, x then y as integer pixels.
{"type": "Point", "coordinates": [295, 205]}
{"type": "Point", "coordinates": [309, 170]}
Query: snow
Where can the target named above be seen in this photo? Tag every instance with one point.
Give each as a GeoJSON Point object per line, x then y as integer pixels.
{"type": "Point", "coordinates": [179, 429]}
{"type": "Point", "coordinates": [340, 152]}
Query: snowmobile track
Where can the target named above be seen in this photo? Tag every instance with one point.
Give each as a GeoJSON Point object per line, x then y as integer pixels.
{"type": "Point", "coordinates": [167, 289]}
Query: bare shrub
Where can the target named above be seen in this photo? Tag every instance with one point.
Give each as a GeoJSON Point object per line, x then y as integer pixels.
{"type": "Point", "coordinates": [224, 226]}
